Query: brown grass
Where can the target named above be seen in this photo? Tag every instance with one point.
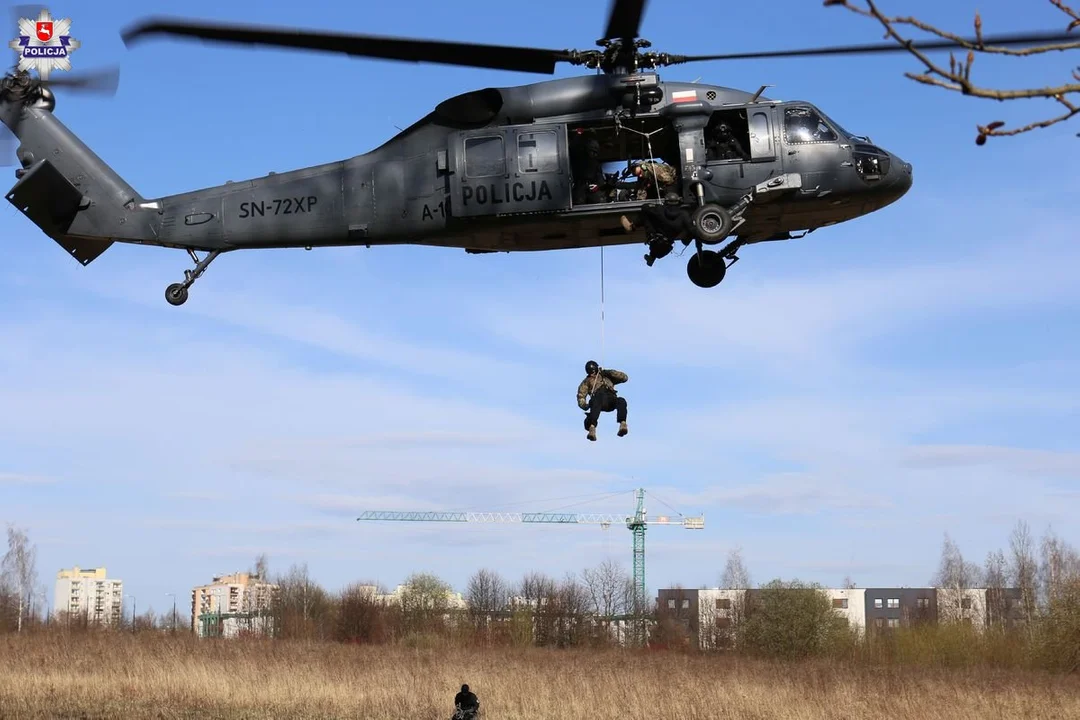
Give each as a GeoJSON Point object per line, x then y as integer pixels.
{"type": "Point", "coordinates": [109, 675]}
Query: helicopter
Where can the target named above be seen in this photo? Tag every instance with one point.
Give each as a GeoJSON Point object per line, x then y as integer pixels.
{"type": "Point", "coordinates": [490, 170]}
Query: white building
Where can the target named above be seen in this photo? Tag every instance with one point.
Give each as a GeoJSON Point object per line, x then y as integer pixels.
{"type": "Point", "coordinates": [718, 609]}
{"type": "Point", "coordinates": [963, 605]}
{"type": "Point", "coordinates": [89, 595]}
{"type": "Point", "coordinates": [851, 604]}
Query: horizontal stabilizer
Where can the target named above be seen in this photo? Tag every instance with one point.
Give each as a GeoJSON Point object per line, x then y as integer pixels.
{"type": "Point", "coordinates": [51, 202]}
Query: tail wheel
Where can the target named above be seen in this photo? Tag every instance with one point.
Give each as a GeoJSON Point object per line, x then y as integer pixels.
{"type": "Point", "coordinates": [712, 223]}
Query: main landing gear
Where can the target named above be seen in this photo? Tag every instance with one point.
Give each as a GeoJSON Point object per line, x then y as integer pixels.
{"type": "Point", "coordinates": [177, 293]}
{"type": "Point", "coordinates": [713, 223]}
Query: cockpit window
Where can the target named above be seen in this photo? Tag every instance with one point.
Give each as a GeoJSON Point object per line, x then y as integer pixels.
{"type": "Point", "coordinates": [804, 125]}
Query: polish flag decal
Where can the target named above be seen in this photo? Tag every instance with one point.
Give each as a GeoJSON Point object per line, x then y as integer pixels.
{"type": "Point", "coordinates": [684, 96]}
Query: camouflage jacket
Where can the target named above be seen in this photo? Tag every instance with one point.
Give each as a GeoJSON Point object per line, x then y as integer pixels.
{"type": "Point", "coordinates": [663, 173]}
{"type": "Point", "coordinates": [654, 177]}
{"type": "Point", "coordinates": [606, 379]}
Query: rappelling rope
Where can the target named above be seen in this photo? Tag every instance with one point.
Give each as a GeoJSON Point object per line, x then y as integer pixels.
{"type": "Point", "coordinates": [602, 319]}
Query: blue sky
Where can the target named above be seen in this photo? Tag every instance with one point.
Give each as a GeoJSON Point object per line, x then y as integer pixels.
{"type": "Point", "coordinates": [834, 407]}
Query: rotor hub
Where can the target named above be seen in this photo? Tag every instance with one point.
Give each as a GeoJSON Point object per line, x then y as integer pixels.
{"type": "Point", "coordinates": [617, 58]}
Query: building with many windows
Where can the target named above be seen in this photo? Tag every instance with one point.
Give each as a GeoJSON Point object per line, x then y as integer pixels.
{"type": "Point", "coordinates": [706, 612]}
{"type": "Point", "coordinates": [88, 595]}
{"type": "Point", "coordinates": [231, 604]}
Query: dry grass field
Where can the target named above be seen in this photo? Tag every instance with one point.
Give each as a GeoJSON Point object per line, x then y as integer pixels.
{"type": "Point", "coordinates": [111, 676]}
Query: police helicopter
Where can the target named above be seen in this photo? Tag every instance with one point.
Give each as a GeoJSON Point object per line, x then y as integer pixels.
{"type": "Point", "coordinates": [499, 169]}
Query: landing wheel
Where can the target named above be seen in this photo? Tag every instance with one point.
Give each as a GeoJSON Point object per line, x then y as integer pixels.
{"type": "Point", "coordinates": [712, 223]}
{"type": "Point", "coordinates": [706, 268]}
{"type": "Point", "coordinates": [176, 294]}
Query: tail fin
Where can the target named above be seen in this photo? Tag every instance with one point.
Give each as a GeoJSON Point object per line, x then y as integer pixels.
{"type": "Point", "coordinates": [65, 189]}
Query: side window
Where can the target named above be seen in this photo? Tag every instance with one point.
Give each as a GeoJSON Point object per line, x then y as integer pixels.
{"type": "Point", "coordinates": [538, 152]}
{"type": "Point", "coordinates": [760, 135]}
{"type": "Point", "coordinates": [485, 156]}
{"type": "Point", "coordinates": [803, 125]}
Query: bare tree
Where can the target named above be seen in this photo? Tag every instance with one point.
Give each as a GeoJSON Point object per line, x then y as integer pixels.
{"type": "Point", "coordinates": [20, 566]}
{"type": "Point", "coordinates": [300, 608]}
{"type": "Point", "coordinates": [955, 576]}
{"type": "Point", "coordinates": [736, 578]}
{"type": "Point", "coordinates": [610, 589]}
{"type": "Point", "coordinates": [1060, 566]}
{"type": "Point", "coordinates": [957, 77]}
{"type": "Point", "coordinates": [1023, 568]}
{"type": "Point", "coordinates": [571, 602]}
{"type": "Point", "coordinates": [995, 574]}
{"type": "Point", "coordinates": [487, 592]}
{"type": "Point", "coordinates": [537, 592]}
{"type": "Point", "coordinates": [486, 595]}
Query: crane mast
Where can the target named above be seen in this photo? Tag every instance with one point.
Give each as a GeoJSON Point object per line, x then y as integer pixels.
{"type": "Point", "coordinates": [637, 523]}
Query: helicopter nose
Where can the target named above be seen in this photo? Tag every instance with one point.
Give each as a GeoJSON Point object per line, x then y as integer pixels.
{"type": "Point", "coordinates": [903, 175]}
{"type": "Point", "coordinates": [894, 183]}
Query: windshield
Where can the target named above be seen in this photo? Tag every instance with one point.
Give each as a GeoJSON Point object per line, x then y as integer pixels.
{"type": "Point", "coordinates": [842, 130]}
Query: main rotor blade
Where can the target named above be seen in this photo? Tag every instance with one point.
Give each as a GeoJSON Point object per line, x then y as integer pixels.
{"type": "Point", "coordinates": [387, 48]}
{"type": "Point", "coordinates": [995, 41]}
{"type": "Point", "coordinates": [103, 81]}
{"type": "Point", "coordinates": [624, 20]}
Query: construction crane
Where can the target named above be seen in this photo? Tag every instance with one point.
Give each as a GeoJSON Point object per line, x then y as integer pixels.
{"type": "Point", "coordinates": [637, 524]}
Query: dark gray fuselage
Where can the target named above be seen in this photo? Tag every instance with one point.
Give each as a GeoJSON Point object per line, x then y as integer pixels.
{"type": "Point", "coordinates": [490, 171]}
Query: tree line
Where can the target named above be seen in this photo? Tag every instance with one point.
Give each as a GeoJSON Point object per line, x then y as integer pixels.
{"type": "Point", "coordinates": [782, 618]}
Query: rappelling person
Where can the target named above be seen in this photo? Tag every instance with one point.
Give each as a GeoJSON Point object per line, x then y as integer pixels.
{"type": "Point", "coordinates": [664, 224]}
{"type": "Point", "coordinates": [597, 394]}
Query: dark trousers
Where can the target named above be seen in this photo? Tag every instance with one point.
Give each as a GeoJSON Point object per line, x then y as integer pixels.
{"type": "Point", "coordinates": [605, 401]}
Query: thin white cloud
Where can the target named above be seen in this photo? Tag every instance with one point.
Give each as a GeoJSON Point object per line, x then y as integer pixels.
{"type": "Point", "coordinates": [9, 478]}
{"type": "Point", "coordinates": [780, 494]}
{"type": "Point", "coordinates": [1018, 461]}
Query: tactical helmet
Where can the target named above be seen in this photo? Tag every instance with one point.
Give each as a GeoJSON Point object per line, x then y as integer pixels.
{"type": "Point", "coordinates": [464, 688]}
{"type": "Point", "coordinates": [591, 367]}
{"type": "Point", "coordinates": [672, 198]}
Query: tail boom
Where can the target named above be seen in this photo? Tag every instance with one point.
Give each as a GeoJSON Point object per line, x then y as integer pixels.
{"type": "Point", "coordinates": [69, 192]}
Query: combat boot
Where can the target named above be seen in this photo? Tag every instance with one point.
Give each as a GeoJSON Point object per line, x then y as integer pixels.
{"type": "Point", "coordinates": [623, 429]}
{"type": "Point", "coordinates": [592, 433]}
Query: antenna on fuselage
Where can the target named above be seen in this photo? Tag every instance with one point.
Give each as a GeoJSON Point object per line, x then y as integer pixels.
{"type": "Point", "coordinates": [758, 93]}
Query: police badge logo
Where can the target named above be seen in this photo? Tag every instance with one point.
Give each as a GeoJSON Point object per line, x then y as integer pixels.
{"type": "Point", "coordinates": [44, 44]}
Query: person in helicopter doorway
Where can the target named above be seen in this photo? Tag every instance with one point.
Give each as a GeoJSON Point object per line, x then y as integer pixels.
{"type": "Point", "coordinates": [653, 177]}
{"type": "Point", "coordinates": [466, 703]}
{"type": "Point", "coordinates": [664, 224]}
{"type": "Point", "coordinates": [723, 145]}
{"type": "Point", "coordinates": [597, 394]}
{"type": "Point", "coordinates": [587, 168]}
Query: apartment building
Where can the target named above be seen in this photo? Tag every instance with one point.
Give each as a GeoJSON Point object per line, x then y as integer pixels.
{"type": "Point", "coordinates": [706, 612]}
{"type": "Point", "coordinates": [90, 595]}
{"type": "Point", "coordinates": [230, 604]}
